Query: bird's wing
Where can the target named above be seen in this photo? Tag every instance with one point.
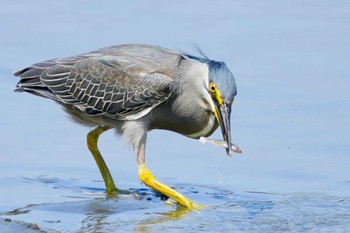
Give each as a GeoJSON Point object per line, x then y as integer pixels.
{"type": "Point", "coordinates": [98, 85]}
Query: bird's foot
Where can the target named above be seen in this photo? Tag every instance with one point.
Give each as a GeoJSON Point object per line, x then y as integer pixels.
{"type": "Point", "coordinates": [148, 179]}
{"type": "Point", "coordinates": [191, 206]}
{"type": "Point", "coordinates": [196, 207]}
{"type": "Point", "coordinates": [116, 192]}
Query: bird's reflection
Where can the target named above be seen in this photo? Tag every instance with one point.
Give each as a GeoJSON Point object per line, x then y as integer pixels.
{"type": "Point", "coordinates": [140, 210]}
{"type": "Point", "coordinates": [148, 224]}
{"type": "Point", "coordinates": [98, 213]}
{"type": "Point", "coordinates": [98, 218]}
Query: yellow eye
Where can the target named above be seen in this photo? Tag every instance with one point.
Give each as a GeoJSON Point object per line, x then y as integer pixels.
{"type": "Point", "coordinates": [212, 87]}
{"type": "Point", "coordinates": [215, 93]}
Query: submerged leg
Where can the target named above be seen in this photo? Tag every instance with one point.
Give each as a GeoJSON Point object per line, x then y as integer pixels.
{"type": "Point", "coordinates": [92, 140]}
{"type": "Point", "coordinates": [148, 179]}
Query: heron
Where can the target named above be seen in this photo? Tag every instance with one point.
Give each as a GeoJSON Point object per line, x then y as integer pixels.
{"type": "Point", "coordinates": [136, 88]}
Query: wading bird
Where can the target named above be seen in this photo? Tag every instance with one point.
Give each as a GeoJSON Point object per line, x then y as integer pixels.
{"type": "Point", "coordinates": [134, 89]}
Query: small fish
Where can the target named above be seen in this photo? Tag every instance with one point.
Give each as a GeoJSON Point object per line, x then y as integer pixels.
{"type": "Point", "coordinates": [222, 143]}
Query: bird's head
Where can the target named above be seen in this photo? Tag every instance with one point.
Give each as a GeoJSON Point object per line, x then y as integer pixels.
{"type": "Point", "coordinates": [222, 88]}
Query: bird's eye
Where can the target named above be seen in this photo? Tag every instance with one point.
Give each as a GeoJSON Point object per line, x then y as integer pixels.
{"type": "Point", "coordinates": [212, 87]}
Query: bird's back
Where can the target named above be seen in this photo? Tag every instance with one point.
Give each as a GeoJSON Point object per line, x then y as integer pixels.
{"type": "Point", "coordinates": [121, 82]}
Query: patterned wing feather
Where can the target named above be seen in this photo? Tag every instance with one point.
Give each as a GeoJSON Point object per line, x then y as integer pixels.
{"type": "Point", "coordinates": [96, 85]}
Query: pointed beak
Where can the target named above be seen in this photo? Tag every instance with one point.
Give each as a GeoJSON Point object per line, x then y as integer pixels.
{"type": "Point", "coordinates": [224, 113]}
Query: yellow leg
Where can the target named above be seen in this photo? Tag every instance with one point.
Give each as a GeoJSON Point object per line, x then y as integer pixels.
{"type": "Point", "coordinates": [92, 140]}
{"type": "Point", "coordinates": [149, 180]}
{"type": "Point", "coordinates": [139, 145]}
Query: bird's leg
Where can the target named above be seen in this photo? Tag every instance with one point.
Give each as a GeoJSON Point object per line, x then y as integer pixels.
{"type": "Point", "coordinates": [92, 140]}
{"type": "Point", "coordinates": [148, 179]}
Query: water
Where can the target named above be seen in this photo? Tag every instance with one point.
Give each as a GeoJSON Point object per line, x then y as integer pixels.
{"type": "Point", "coordinates": [290, 118]}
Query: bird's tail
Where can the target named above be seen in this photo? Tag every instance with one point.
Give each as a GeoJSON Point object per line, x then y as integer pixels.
{"type": "Point", "coordinates": [30, 80]}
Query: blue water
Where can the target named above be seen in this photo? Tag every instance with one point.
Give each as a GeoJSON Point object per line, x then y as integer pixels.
{"type": "Point", "coordinates": [290, 118]}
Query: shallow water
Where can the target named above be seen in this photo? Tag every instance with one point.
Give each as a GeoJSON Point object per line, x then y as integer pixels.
{"type": "Point", "coordinates": [89, 210]}
{"type": "Point", "coordinates": [290, 118]}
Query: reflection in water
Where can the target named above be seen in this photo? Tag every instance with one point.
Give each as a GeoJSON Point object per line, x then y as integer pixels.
{"type": "Point", "coordinates": [147, 224]}
{"type": "Point", "coordinates": [99, 212]}
{"type": "Point", "coordinates": [98, 216]}
{"type": "Point", "coordinates": [243, 212]}
{"type": "Point", "coordinates": [102, 214]}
